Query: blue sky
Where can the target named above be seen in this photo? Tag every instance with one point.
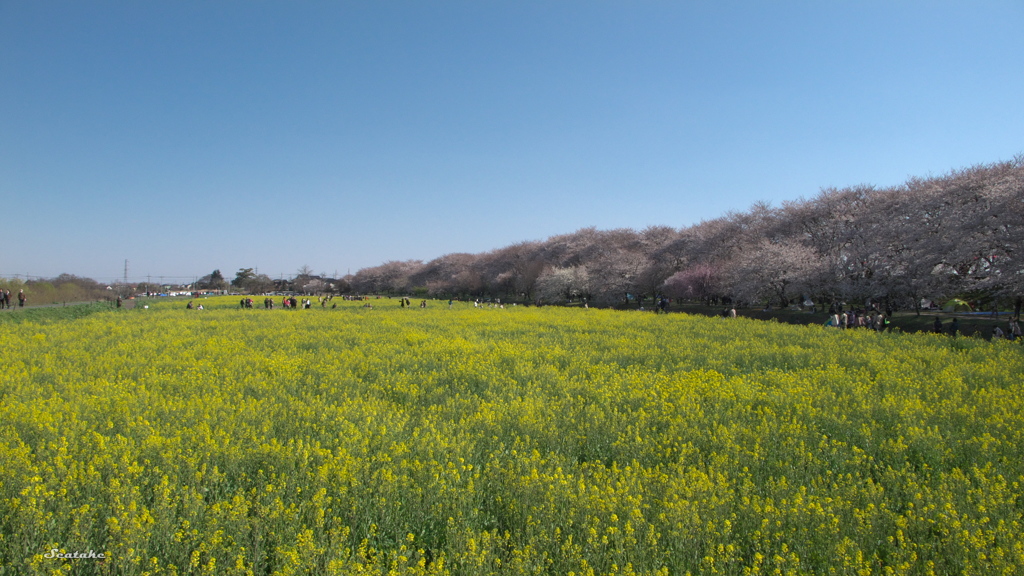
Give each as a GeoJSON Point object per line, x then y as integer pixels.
{"type": "Point", "coordinates": [188, 136]}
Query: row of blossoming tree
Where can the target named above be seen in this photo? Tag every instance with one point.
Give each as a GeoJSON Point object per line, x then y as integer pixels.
{"type": "Point", "coordinates": [959, 234]}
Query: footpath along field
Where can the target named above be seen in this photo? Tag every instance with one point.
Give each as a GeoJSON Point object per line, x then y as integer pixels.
{"type": "Point", "coordinates": [502, 441]}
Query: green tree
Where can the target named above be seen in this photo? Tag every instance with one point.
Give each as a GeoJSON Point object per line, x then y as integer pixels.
{"type": "Point", "coordinates": [212, 281]}
{"type": "Point", "coordinates": [243, 278]}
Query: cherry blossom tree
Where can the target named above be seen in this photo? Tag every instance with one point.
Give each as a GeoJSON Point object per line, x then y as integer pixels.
{"type": "Point", "coordinates": [563, 284]}
{"type": "Point", "coordinates": [772, 271]}
{"type": "Point", "coordinates": [699, 282]}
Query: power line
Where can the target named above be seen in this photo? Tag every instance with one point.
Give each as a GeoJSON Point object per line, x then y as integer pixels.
{"type": "Point", "coordinates": [103, 279]}
{"type": "Point", "coordinates": [125, 277]}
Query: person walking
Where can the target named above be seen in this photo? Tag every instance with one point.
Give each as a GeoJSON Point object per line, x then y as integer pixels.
{"type": "Point", "coordinates": [21, 298]}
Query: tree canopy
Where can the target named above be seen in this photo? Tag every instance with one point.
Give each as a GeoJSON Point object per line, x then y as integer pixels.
{"type": "Point", "coordinates": [956, 234]}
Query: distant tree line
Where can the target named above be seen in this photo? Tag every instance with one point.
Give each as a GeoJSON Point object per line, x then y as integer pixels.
{"type": "Point", "coordinates": [248, 281]}
{"type": "Point", "coordinates": [63, 288]}
{"type": "Point", "coordinates": [954, 235]}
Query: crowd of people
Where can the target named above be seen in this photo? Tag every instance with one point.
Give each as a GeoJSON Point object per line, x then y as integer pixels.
{"type": "Point", "coordinates": [291, 302]}
{"type": "Point", "coordinates": [406, 303]}
{"type": "Point", "coordinates": [1013, 332]}
{"type": "Point", "coordinates": [872, 319]}
{"type": "Point", "coordinates": [5, 299]}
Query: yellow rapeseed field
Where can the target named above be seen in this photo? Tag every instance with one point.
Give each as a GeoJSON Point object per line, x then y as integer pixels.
{"type": "Point", "coordinates": [478, 441]}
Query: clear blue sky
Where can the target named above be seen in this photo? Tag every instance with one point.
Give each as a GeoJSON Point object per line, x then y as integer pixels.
{"type": "Point", "coordinates": [188, 136]}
